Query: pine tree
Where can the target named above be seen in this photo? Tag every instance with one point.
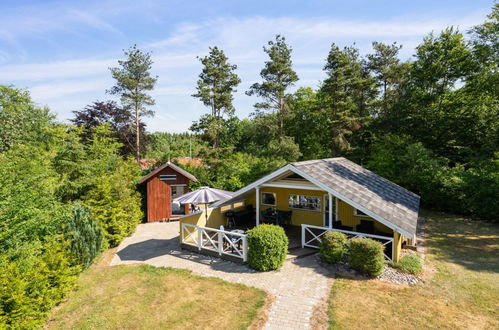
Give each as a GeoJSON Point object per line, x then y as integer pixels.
{"type": "Point", "coordinates": [344, 95]}
{"type": "Point", "coordinates": [278, 76]}
{"type": "Point", "coordinates": [215, 88]}
{"type": "Point", "coordinates": [387, 69]}
{"type": "Point", "coordinates": [133, 81]}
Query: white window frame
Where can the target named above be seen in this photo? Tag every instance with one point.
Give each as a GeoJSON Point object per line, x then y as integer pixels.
{"type": "Point", "coordinates": [302, 209]}
{"type": "Point", "coordinates": [355, 214]}
{"type": "Point", "coordinates": [271, 193]}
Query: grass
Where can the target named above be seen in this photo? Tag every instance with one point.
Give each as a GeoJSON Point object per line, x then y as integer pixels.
{"type": "Point", "coordinates": [461, 288]}
{"type": "Point", "coordinates": [147, 297]}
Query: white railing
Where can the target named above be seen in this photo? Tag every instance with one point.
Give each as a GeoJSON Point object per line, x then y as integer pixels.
{"type": "Point", "coordinates": [311, 237]}
{"type": "Point", "coordinates": [220, 241]}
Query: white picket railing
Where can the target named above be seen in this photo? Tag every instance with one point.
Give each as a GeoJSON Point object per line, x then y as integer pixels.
{"type": "Point", "coordinates": [311, 236]}
{"type": "Point", "coordinates": [220, 241]}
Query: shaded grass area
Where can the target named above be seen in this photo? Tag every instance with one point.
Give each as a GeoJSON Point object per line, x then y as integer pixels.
{"type": "Point", "coordinates": [461, 289]}
{"type": "Point", "coordinates": [147, 297]}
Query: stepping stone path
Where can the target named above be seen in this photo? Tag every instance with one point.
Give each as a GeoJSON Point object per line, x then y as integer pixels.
{"type": "Point", "coordinates": [298, 287]}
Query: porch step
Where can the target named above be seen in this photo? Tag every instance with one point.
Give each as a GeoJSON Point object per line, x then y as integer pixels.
{"type": "Point", "coordinates": [298, 252]}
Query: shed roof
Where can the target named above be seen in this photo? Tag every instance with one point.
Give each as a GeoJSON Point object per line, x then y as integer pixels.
{"type": "Point", "coordinates": [173, 167]}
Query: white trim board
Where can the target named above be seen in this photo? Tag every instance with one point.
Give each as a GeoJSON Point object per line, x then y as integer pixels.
{"type": "Point", "coordinates": [290, 186]}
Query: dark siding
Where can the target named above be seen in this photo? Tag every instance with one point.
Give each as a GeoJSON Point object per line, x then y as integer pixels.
{"type": "Point", "coordinates": [159, 195]}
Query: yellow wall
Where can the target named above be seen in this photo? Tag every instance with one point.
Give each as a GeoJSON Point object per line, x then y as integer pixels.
{"type": "Point", "coordinates": [347, 217]}
{"type": "Point", "coordinates": [215, 219]}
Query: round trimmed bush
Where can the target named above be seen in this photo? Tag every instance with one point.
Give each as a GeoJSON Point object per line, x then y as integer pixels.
{"type": "Point", "coordinates": [267, 247]}
{"type": "Point", "coordinates": [366, 256]}
{"type": "Point", "coordinates": [333, 247]}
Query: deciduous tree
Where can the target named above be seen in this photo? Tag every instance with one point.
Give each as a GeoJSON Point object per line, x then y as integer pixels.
{"type": "Point", "coordinates": [120, 122]}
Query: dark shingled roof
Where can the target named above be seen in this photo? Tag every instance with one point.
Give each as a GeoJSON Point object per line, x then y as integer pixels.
{"type": "Point", "coordinates": [378, 195]}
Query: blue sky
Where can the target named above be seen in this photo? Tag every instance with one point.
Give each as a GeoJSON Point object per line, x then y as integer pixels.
{"type": "Point", "coordinates": [61, 50]}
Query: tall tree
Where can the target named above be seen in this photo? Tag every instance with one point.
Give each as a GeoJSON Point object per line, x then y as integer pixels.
{"type": "Point", "coordinates": [215, 88]}
{"type": "Point", "coordinates": [120, 122]}
{"type": "Point", "coordinates": [278, 75]}
{"type": "Point", "coordinates": [387, 69]}
{"type": "Point", "coordinates": [133, 81]}
{"type": "Point", "coordinates": [343, 95]}
{"type": "Point", "coordinates": [433, 108]}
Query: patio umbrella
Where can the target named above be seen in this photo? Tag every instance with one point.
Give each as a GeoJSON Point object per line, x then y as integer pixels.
{"type": "Point", "coordinates": [204, 195]}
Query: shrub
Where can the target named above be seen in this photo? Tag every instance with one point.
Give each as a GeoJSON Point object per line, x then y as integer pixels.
{"type": "Point", "coordinates": [410, 263]}
{"type": "Point", "coordinates": [33, 279]}
{"type": "Point", "coordinates": [84, 236]}
{"type": "Point", "coordinates": [116, 204]}
{"type": "Point", "coordinates": [333, 247]}
{"type": "Point", "coordinates": [366, 256]}
{"type": "Point", "coordinates": [267, 247]}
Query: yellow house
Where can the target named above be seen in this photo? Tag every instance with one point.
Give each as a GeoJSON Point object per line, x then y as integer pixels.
{"type": "Point", "coordinates": [309, 197]}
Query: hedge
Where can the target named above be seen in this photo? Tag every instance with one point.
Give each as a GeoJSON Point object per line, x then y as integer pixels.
{"type": "Point", "coordinates": [267, 247]}
{"type": "Point", "coordinates": [366, 256]}
{"type": "Point", "coordinates": [333, 247]}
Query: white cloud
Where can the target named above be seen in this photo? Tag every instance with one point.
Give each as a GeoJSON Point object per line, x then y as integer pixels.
{"type": "Point", "coordinates": [50, 91]}
{"type": "Point", "coordinates": [54, 70]}
{"type": "Point", "coordinates": [70, 84]}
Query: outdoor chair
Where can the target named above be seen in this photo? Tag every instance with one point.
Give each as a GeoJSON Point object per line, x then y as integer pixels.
{"type": "Point", "coordinates": [284, 217]}
{"type": "Point", "coordinates": [269, 216]}
{"type": "Point", "coordinates": [366, 227]}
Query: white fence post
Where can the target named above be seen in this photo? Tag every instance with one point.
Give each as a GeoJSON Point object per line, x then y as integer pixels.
{"type": "Point", "coordinates": [245, 248]}
{"type": "Point", "coordinates": [200, 238]}
{"type": "Point", "coordinates": [302, 236]}
{"type": "Point", "coordinates": [220, 246]}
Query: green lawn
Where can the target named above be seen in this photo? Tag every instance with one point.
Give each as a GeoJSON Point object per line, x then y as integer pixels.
{"type": "Point", "coordinates": [461, 289]}
{"type": "Point", "coordinates": [147, 297]}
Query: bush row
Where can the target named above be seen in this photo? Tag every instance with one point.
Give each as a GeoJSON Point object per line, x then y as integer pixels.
{"type": "Point", "coordinates": [364, 254]}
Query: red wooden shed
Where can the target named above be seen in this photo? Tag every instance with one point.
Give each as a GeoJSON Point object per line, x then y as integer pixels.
{"type": "Point", "coordinates": [163, 185]}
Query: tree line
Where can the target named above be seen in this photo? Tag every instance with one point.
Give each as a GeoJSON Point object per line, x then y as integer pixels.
{"type": "Point", "coordinates": [429, 123]}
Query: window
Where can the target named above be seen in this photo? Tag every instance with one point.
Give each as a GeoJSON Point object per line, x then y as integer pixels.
{"type": "Point", "coordinates": [167, 177]}
{"type": "Point", "coordinates": [359, 213]}
{"type": "Point", "coordinates": [302, 202]}
{"type": "Point", "coordinates": [268, 199]}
